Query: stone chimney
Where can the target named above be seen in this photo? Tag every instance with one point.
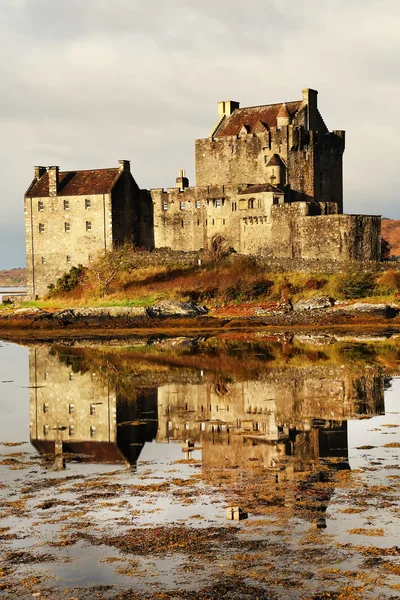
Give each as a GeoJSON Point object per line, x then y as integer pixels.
{"type": "Point", "coordinates": [226, 108]}
{"type": "Point", "coordinates": [54, 177]}
{"type": "Point", "coordinates": [124, 165]}
{"type": "Point", "coordinates": [182, 181]}
{"type": "Point", "coordinates": [38, 172]}
{"type": "Point", "coordinates": [310, 100]}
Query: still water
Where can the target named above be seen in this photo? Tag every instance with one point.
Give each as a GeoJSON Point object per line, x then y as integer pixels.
{"type": "Point", "coordinates": [118, 465]}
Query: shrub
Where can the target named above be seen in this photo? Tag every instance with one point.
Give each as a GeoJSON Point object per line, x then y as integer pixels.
{"type": "Point", "coordinates": [356, 284]}
{"type": "Point", "coordinates": [68, 281]}
{"type": "Point", "coordinates": [389, 282]}
{"type": "Point", "coordinates": [315, 284]}
{"type": "Point", "coordinates": [385, 249]}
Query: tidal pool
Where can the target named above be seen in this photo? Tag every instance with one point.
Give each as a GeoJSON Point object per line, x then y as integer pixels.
{"type": "Point", "coordinates": [118, 465]}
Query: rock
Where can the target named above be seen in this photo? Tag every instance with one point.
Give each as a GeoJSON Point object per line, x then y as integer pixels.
{"type": "Point", "coordinates": [172, 308]}
{"type": "Point", "coordinates": [274, 308]}
{"type": "Point", "coordinates": [315, 303]}
{"type": "Point", "coordinates": [370, 308]}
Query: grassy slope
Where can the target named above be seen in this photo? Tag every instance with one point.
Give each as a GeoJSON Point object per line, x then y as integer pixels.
{"type": "Point", "coordinates": [231, 283]}
{"type": "Point", "coordinates": [391, 231]}
{"type": "Point", "coordinates": [13, 277]}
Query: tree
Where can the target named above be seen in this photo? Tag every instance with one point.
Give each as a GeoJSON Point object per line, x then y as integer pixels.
{"type": "Point", "coordinates": [385, 249]}
{"type": "Point", "coordinates": [106, 267]}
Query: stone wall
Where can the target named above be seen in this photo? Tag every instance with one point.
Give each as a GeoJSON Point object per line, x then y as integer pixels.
{"type": "Point", "coordinates": [57, 235]}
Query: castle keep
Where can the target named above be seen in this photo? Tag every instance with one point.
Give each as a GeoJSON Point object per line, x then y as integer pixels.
{"type": "Point", "coordinates": [269, 183]}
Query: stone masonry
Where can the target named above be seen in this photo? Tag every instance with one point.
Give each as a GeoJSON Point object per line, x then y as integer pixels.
{"type": "Point", "coordinates": [269, 183]}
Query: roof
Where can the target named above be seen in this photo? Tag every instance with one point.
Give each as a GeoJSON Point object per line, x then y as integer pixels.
{"type": "Point", "coordinates": [253, 115]}
{"type": "Point", "coordinates": [88, 452]}
{"type": "Point", "coordinates": [76, 183]}
{"type": "Point", "coordinates": [262, 187]}
{"type": "Point", "coordinates": [274, 161]}
{"type": "Point", "coordinates": [283, 111]}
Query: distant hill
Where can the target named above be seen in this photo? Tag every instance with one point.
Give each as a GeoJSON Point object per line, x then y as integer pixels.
{"type": "Point", "coordinates": [13, 277]}
{"type": "Point", "coordinates": [391, 231]}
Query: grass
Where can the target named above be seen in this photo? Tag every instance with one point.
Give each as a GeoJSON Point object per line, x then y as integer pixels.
{"type": "Point", "coordinates": [236, 280]}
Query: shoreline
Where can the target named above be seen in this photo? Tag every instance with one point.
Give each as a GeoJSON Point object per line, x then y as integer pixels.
{"type": "Point", "coordinates": [35, 325]}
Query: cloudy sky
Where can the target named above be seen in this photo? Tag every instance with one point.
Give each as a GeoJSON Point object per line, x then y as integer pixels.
{"type": "Point", "coordinates": [87, 82]}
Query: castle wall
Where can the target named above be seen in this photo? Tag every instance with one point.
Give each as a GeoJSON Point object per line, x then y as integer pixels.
{"type": "Point", "coordinates": [190, 219]}
{"type": "Point", "coordinates": [57, 237]}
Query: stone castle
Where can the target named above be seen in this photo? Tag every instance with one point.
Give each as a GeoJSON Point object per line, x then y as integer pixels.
{"type": "Point", "coordinates": [269, 183]}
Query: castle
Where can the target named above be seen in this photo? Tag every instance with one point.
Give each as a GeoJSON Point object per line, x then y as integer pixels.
{"type": "Point", "coordinates": [269, 183]}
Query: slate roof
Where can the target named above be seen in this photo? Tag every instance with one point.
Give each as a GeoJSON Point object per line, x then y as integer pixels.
{"type": "Point", "coordinates": [76, 183]}
{"type": "Point", "coordinates": [252, 116]}
{"type": "Point", "coordinates": [261, 187]}
{"type": "Point", "coordinates": [274, 161]}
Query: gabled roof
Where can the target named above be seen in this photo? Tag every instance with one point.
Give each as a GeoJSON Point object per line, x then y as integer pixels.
{"type": "Point", "coordinates": [253, 115]}
{"type": "Point", "coordinates": [274, 161]}
{"type": "Point", "coordinates": [76, 183]}
{"type": "Point", "coordinates": [262, 187]}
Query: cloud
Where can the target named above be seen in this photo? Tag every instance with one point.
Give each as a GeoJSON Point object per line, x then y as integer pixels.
{"type": "Point", "coordinates": [86, 82]}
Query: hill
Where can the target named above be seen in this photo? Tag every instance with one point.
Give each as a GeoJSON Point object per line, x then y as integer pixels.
{"type": "Point", "coordinates": [391, 231]}
{"type": "Point", "coordinates": [13, 277]}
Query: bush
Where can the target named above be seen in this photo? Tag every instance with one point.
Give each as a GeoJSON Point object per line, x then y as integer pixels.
{"type": "Point", "coordinates": [68, 281]}
{"type": "Point", "coordinates": [356, 284]}
{"type": "Point", "coordinates": [315, 284]}
{"type": "Point", "coordinates": [389, 282]}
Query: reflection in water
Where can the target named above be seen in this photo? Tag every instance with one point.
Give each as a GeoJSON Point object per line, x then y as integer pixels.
{"type": "Point", "coordinates": [100, 405]}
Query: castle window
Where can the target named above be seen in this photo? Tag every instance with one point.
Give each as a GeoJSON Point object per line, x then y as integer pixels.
{"type": "Point", "coordinates": [206, 221]}
{"type": "Point", "coordinates": [40, 206]}
{"type": "Point", "coordinates": [251, 203]}
{"type": "Point", "coordinates": [71, 409]}
{"type": "Point", "coordinates": [45, 429]}
{"type": "Point", "coordinates": [242, 204]}
{"type": "Point", "coordinates": [218, 203]}
{"type": "Point", "coordinates": [213, 221]}
{"type": "Point", "coordinates": [223, 221]}
{"type": "Point", "coordinates": [198, 204]}
{"type": "Point", "coordinates": [234, 206]}
{"type": "Point", "coordinates": [41, 227]}
{"type": "Point", "coordinates": [181, 205]}
{"type": "Point", "coordinates": [43, 260]}
{"type": "Point", "coordinates": [45, 407]}
{"type": "Point", "coordinates": [88, 204]}
{"type": "Point", "coordinates": [88, 226]}
{"type": "Point", "coordinates": [266, 159]}
{"type": "Point", "coordinates": [90, 258]}
{"type": "Point", "coordinates": [67, 227]}
{"type": "Point", "coordinates": [165, 205]}
{"type": "Point", "coordinates": [68, 259]}
{"type": "Point", "coordinates": [66, 204]}
{"type": "Point", "coordinates": [92, 409]}
{"type": "Point", "coordinates": [182, 223]}
{"type": "Point", "coordinates": [92, 431]}
{"type": "Point", "coordinates": [71, 431]}
{"type": "Point", "coordinates": [259, 203]}
{"type": "Point", "coordinates": [198, 221]}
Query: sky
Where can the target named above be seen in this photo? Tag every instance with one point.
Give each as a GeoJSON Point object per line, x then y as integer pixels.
{"type": "Point", "coordinates": [85, 83]}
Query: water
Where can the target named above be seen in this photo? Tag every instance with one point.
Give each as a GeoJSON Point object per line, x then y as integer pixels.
{"type": "Point", "coordinates": [11, 290]}
{"type": "Point", "coordinates": [113, 458]}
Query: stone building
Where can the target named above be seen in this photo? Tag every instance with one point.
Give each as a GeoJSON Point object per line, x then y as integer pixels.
{"type": "Point", "coordinates": [269, 183]}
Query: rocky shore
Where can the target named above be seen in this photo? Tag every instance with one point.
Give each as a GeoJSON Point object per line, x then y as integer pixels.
{"type": "Point", "coordinates": [321, 312]}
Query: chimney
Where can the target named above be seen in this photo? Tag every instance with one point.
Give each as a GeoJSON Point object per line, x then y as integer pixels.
{"type": "Point", "coordinates": [226, 108]}
{"type": "Point", "coordinates": [310, 99]}
{"type": "Point", "coordinates": [182, 181]}
{"type": "Point", "coordinates": [53, 180]}
{"type": "Point", "coordinates": [124, 165]}
{"type": "Point", "coordinates": [38, 172]}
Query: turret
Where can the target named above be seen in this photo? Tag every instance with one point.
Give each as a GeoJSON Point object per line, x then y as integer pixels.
{"type": "Point", "coordinates": [182, 181]}
{"type": "Point", "coordinates": [283, 116]}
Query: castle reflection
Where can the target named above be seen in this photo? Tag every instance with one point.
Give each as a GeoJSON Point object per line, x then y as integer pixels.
{"type": "Point", "coordinates": [94, 406]}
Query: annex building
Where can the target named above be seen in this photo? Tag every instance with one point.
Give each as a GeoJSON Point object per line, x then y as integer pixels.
{"type": "Point", "coordinates": [269, 182]}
